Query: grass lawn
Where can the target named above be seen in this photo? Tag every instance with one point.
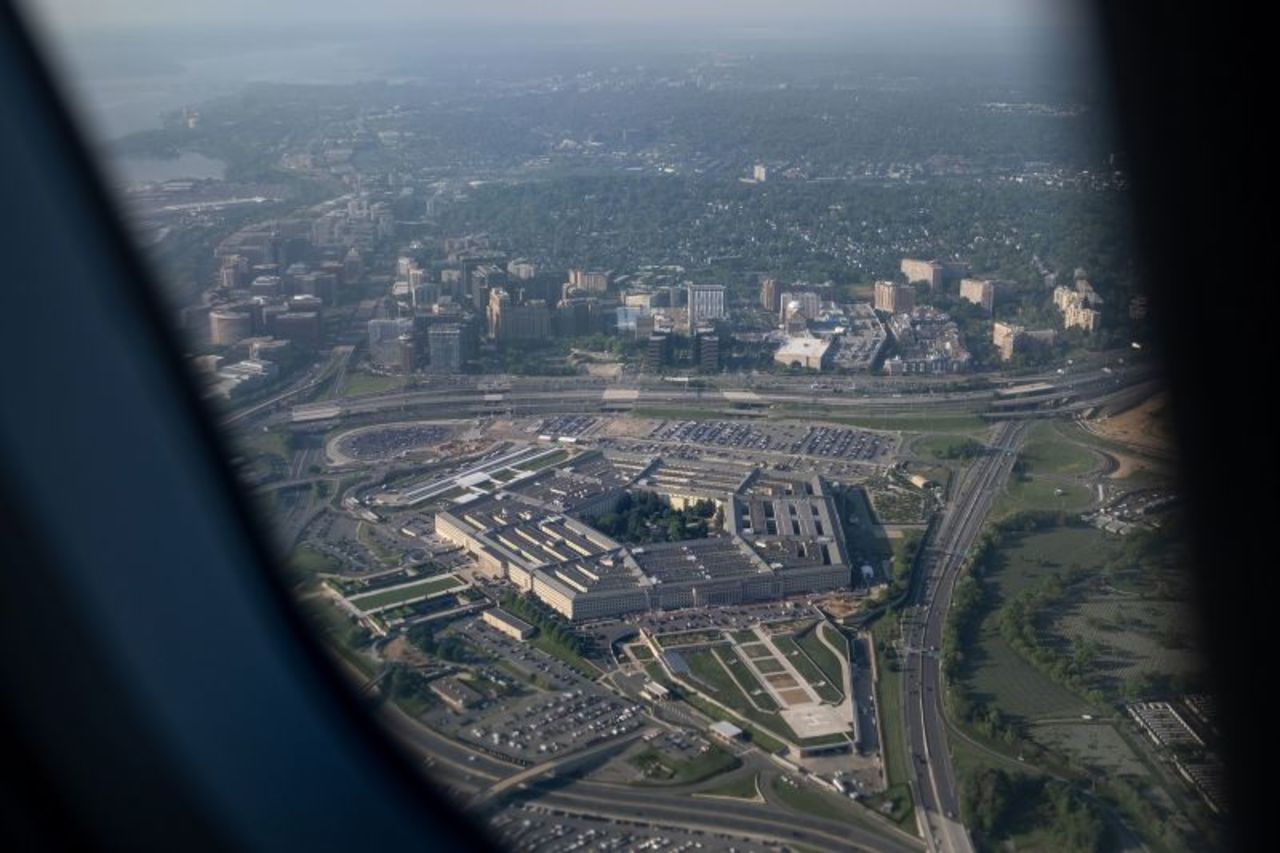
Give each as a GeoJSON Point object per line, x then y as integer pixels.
{"type": "Point", "coordinates": [640, 652]}
{"type": "Point", "coordinates": [903, 423]}
{"type": "Point", "coordinates": [823, 656]}
{"type": "Point", "coordinates": [1040, 493]}
{"type": "Point", "coordinates": [893, 743]}
{"type": "Point", "coordinates": [808, 669]}
{"type": "Point", "coordinates": [690, 414]}
{"type": "Point", "coordinates": [543, 462]}
{"type": "Point", "coordinates": [807, 798]}
{"type": "Point", "coordinates": [740, 787]}
{"type": "Point", "coordinates": [746, 678]}
{"type": "Point", "coordinates": [272, 442]}
{"type": "Point", "coordinates": [760, 738]}
{"type": "Point", "coordinates": [307, 560]}
{"type": "Point", "coordinates": [358, 384]}
{"type": "Point", "coordinates": [944, 447]}
{"type": "Point", "coordinates": [662, 769]}
{"type": "Point", "coordinates": [396, 595]}
{"type": "Point", "coordinates": [1048, 451]}
{"type": "Point", "coordinates": [706, 666]}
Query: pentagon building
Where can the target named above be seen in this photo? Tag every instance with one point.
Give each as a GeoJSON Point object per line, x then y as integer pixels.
{"type": "Point", "coordinates": [781, 537]}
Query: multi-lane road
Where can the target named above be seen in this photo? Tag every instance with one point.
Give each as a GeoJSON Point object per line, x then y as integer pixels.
{"type": "Point", "coordinates": [539, 396]}
{"type": "Point", "coordinates": [933, 777]}
{"type": "Point", "coordinates": [469, 773]}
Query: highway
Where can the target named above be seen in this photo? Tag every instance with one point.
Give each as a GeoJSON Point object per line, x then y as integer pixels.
{"type": "Point", "coordinates": [470, 773]}
{"type": "Point", "coordinates": [335, 367]}
{"type": "Point", "coordinates": [540, 396]}
{"type": "Point", "coordinates": [760, 820]}
{"type": "Point", "coordinates": [933, 777]}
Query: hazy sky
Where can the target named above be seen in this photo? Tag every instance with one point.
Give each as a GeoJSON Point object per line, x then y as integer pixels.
{"type": "Point", "coordinates": [96, 13]}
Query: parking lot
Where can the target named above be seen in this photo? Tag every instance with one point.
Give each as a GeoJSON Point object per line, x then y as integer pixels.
{"type": "Point", "coordinates": [540, 727]}
{"type": "Point", "coordinates": [824, 441]}
{"type": "Point", "coordinates": [385, 442]}
{"type": "Point", "coordinates": [567, 426]}
{"type": "Point", "coordinates": [550, 672]}
{"type": "Point", "coordinates": [570, 713]}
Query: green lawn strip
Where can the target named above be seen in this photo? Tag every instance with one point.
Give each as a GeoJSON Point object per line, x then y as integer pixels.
{"type": "Point", "coordinates": [893, 743]}
{"type": "Point", "coordinates": [1040, 493]}
{"type": "Point", "coordinates": [741, 787]}
{"type": "Point", "coordinates": [377, 600]}
{"type": "Point", "coordinates": [272, 442]}
{"type": "Point", "coordinates": [826, 660]}
{"type": "Point", "coordinates": [904, 423]}
{"type": "Point", "coordinates": [700, 768]}
{"type": "Point", "coordinates": [746, 679]}
{"type": "Point", "coordinates": [705, 666]}
{"type": "Point", "coordinates": [640, 652]}
{"type": "Point", "coordinates": [359, 384]}
{"type": "Point", "coordinates": [950, 447]}
{"type": "Point", "coordinates": [900, 807]}
{"type": "Point", "coordinates": [808, 798]}
{"type": "Point", "coordinates": [760, 738]}
{"type": "Point", "coordinates": [691, 414]}
{"type": "Point", "coordinates": [656, 673]}
{"type": "Point", "coordinates": [562, 653]}
{"type": "Point", "coordinates": [1048, 451]}
{"type": "Point", "coordinates": [807, 668]}
{"type": "Point", "coordinates": [543, 462]}
{"type": "Point", "coordinates": [307, 560]}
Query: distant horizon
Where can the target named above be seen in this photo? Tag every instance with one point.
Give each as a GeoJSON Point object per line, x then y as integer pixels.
{"type": "Point", "coordinates": [91, 14]}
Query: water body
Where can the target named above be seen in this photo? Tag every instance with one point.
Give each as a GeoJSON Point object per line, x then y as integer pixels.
{"type": "Point", "coordinates": [186, 166]}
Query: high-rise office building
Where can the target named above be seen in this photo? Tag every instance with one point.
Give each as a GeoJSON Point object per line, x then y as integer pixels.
{"type": "Point", "coordinates": [447, 347]}
{"type": "Point", "coordinates": [595, 281]}
{"type": "Point", "coordinates": [227, 327]}
{"type": "Point", "coordinates": [657, 353]}
{"type": "Point", "coordinates": [508, 321]}
{"type": "Point", "coordinates": [385, 347]}
{"type": "Point", "coordinates": [980, 291]}
{"type": "Point", "coordinates": [769, 294]}
{"type": "Point", "coordinates": [894, 298]}
{"type": "Point", "coordinates": [706, 346]}
{"type": "Point", "coordinates": [805, 302]}
{"type": "Point", "coordinates": [933, 273]}
{"type": "Point", "coordinates": [706, 302]}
